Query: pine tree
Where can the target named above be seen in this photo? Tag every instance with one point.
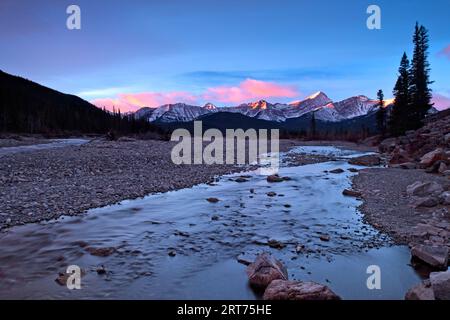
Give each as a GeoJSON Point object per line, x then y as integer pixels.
{"type": "Point", "coordinates": [400, 111]}
{"type": "Point", "coordinates": [381, 114]}
{"type": "Point", "coordinates": [420, 92]}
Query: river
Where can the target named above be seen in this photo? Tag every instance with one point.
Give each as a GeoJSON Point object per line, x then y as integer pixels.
{"type": "Point", "coordinates": [204, 240]}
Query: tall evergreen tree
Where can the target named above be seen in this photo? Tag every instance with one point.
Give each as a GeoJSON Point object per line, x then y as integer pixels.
{"type": "Point", "coordinates": [420, 92]}
{"type": "Point", "coordinates": [400, 113]}
{"type": "Point", "coordinates": [381, 114]}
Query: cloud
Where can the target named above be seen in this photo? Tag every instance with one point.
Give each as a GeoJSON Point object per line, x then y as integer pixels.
{"type": "Point", "coordinates": [134, 101]}
{"type": "Point", "coordinates": [249, 90]}
{"type": "Point", "coordinates": [246, 91]}
{"type": "Point", "coordinates": [445, 52]}
{"type": "Point", "coordinates": [441, 102]}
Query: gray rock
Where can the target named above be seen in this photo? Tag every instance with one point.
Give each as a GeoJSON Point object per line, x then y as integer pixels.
{"type": "Point", "coordinates": [423, 189]}
{"type": "Point", "coordinates": [351, 193]}
{"type": "Point", "coordinates": [274, 178]}
{"type": "Point", "coordinates": [427, 202]}
{"type": "Point", "coordinates": [430, 158]}
{"type": "Point", "coordinates": [264, 270]}
{"type": "Point", "coordinates": [338, 170]}
{"type": "Point", "coordinates": [368, 161]}
{"type": "Point", "coordinates": [440, 283]}
{"type": "Point", "coordinates": [435, 256]}
{"type": "Point", "coordinates": [297, 290]}
{"type": "Point", "coordinates": [445, 198]}
{"type": "Point", "coordinates": [422, 291]}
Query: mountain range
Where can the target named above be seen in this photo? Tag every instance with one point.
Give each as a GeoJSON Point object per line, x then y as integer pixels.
{"type": "Point", "coordinates": [323, 107]}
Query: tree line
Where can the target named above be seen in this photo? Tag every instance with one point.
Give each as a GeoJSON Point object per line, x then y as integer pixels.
{"type": "Point", "coordinates": [27, 107]}
{"type": "Point", "coordinates": [412, 94]}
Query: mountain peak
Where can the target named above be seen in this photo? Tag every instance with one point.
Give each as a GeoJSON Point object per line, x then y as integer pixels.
{"type": "Point", "coordinates": [317, 99]}
{"type": "Point", "coordinates": [318, 94]}
{"type": "Point", "coordinates": [209, 106]}
{"type": "Point", "coordinates": [261, 104]}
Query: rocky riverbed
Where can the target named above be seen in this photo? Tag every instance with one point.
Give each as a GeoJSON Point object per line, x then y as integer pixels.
{"type": "Point", "coordinates": [49, 182]}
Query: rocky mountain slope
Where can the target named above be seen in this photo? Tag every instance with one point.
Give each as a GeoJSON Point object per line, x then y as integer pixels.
{"type": "Point", "coordinates": [320, 103]}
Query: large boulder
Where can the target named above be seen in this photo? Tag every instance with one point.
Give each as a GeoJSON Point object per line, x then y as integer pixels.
{"type": "Point", "coordinates": [425, 202]}
{"type": "Point", "coordinates": [434, 256]}
{"type": "Point", "coordinates": [264, 270]}
{"type": "Point", "coordinates": [424, 189]}
{"type": "Point", "coordinates": [440, 283]}
{"type": "Point", "coordinates": [399, 155]}
{"type": "Point", "coordinates": [387, 145]}
{"type": "Point", "coordinates": [368, 160]}
{"type": "Point", "coordinates": [422, 291]}
{"type": "Point", "coordinates": [430, 158]}
{"type": "Point", "coordinates": [297, 290]}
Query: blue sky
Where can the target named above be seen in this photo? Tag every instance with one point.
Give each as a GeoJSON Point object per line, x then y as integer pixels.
{"type": "Point", "coordinates": [202, 50]}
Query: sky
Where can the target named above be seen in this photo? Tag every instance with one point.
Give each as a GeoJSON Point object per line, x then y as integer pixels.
{"type": "Point", "coordinates": [137, 53]}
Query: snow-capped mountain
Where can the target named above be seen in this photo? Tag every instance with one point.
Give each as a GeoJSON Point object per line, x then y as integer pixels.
{"type": "Point", "coordinates": [319, 103]}
{"type": "Point", "coordinates": [178, 112]}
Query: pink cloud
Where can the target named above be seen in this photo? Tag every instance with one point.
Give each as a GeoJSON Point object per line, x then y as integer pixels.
{"type": "Point", "coordinates": [445, 52]}
{"type": "Point", "coordinates": [134, 101]}
{"type": "Point", "coordinates": [441, 102]}
{"type": "Point", "coordinates": [246, 91]}
{"type": "Point", "coordinates": [249, 90]}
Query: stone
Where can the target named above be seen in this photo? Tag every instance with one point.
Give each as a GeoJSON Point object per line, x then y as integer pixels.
{"type": "Point", "coordinates": [422, 291]}
{"type": "Point", "coordinates": [172, 253]}
{"type": "Point", "coordinates": [422, 189]}
{"type": "Point", "coordinates": [338, 170]}
{"type": "Point", "coordinates": [431, 157]}
{"type": "Point", "coordinates": [434, 256]}
{"type": "Point", "coordinates": [271, 194]}
{"type": "Point", "coordinates": [442, 167]}
{"type": "Point", "coordinates": [212, 200]}
{"type": "Point", "coordinates": [351, 193]}
{"type": "Point", "coordinates": [387, 145]}
{"type": "Point", "coordinates": [447, 138]}
{"type": "Point", "coordinates": [274, 178]}
{"type": "Point", "coordinates": [353, 170]}
{"type": "Point", "coordinates": [368, 161]}
{"type": "Point", "coordinates": [425, 202]}
{"type": "Point", "coordinates": [405, 165]}
{"type": "Point", "coordinates": [298, 290]}
{"type": "Point", "coordinates": [440, 283]}
{"type": "Point", "coordinates": [324, 237]}
{"type": "Point", "coordinates": [276, 244]}
{"type": "Point", "coordinates": [241, 179]}
{"type": "Point", "coordinates": [399, 155]}
{"type": "Point", "coordinates": [445, 198]}
{"type": "Point", "coordinates": [264, 270]}
{"type": "Point", "coordinates": [101, 252]}
{"type": "Point", "coordinates": [101, 270]}
{"type": "Point", "coordinates": [62, 279]}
